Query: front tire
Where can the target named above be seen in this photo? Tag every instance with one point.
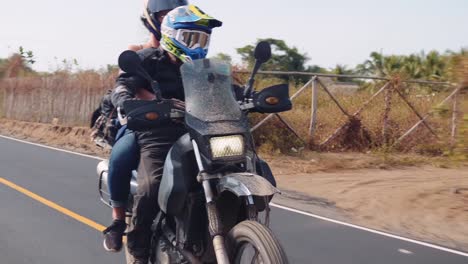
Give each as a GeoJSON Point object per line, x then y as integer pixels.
{"type": "Point", "coordinates": [266, 248]}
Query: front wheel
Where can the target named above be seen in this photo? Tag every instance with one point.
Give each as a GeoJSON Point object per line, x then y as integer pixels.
{"type": "Point", "coordinates": [252, 242]}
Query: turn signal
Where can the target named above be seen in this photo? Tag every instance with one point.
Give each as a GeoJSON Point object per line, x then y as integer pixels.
{"type": "Point", "coordinates": [272, 100]}
{"type": "Point", "coordinates": [151, 116]}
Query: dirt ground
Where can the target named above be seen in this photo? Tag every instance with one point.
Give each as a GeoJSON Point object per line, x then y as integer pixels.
{"type": "Point", "coordinates": [414, 196]}
{"type": "Point", "coordinates": [423, 202]}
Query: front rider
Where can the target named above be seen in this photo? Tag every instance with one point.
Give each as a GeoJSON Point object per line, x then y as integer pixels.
{"type": "Point", "coordinates": [185, 36]}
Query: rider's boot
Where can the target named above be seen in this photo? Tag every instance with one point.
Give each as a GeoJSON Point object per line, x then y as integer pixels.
{"type": "Point", "coordinates": [113, 236]}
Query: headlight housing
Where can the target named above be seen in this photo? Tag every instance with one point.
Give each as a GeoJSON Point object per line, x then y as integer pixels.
{"type": "Point", "coordinates": [227, 146]}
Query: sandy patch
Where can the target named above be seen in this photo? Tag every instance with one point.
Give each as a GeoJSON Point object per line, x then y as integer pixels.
{"type": "Point", "coordinates": [426, 203]}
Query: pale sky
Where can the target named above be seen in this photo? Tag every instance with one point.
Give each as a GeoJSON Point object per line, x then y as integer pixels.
{"type": "Point", "coordinates": [330, 31]}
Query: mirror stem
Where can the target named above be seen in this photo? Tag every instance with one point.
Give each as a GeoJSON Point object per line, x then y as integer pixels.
{"type": "Point", "coordinates": [249, 87]}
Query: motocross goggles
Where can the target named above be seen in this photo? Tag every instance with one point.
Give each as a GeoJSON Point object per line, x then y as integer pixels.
{"type": "Point", "coordinates": [193, 39]}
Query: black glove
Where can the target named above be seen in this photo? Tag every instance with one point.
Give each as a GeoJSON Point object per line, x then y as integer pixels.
{"type": "Point", "coordinates": [176, 104]}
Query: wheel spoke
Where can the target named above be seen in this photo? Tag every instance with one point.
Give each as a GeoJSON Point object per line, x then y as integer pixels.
{"type": "Point", "coordinates": [256, 258]}
{"type": "Point", "coordinates": [248, 251]}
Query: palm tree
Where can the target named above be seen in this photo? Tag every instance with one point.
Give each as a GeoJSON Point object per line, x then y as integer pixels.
{"type": "Point", "coordinates": [382, 66]}
{"type": "Point", "coordinates": [372, 66]}
{"type": "Point", "coordinates": [435, 66]}
{"type": "Point", "coordinates": [413, 66]}
{"type": "Point", "coordinates": [343, 70]}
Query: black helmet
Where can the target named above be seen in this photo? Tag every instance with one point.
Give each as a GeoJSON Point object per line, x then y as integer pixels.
{"type": "Point", "coordinates": [150, 13]}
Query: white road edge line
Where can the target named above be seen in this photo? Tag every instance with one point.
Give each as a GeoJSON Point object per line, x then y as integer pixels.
{"type": "Point", "coordinates": [48, 147]}
{"type": "Point", "coordinates": [285, 208]}
{"type": "Point", "coordinates": [371, 230]}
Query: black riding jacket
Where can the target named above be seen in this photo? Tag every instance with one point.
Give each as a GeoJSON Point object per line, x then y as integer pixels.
{"type": "Point", "coordinates": [157, 63]}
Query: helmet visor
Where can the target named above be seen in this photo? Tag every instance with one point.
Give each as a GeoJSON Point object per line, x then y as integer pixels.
{"type": "Point", "coordinates": [193, 39]}
{"type": "Point", "coordinates": [159, 5]}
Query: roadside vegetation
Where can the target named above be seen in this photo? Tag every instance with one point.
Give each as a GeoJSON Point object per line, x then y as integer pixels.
{"type": "Point", "coordinates": [68, 96]}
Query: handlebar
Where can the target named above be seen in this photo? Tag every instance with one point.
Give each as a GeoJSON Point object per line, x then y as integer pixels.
{"type": "Point", "coordinates": [176, 114]}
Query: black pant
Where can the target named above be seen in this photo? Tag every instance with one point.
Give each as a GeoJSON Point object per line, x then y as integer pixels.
{"type": "Point", "coordinates": [154, 146]}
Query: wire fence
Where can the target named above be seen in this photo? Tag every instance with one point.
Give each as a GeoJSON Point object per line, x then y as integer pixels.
{"type": "Point", "coordinates": [326, 114]}
{"type": "Point", "coordinates": [399, 109]}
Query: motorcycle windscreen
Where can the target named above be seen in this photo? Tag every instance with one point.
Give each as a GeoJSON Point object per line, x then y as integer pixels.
{"type": "Point", "coordinates": [208, 91]}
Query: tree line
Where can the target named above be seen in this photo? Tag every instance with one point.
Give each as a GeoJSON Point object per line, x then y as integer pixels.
{"type": "Point", "coordinates": [433, 65]}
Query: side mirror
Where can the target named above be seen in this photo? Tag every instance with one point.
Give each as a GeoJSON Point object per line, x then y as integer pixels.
{"type": "Point", "coordinates": [130, 62]}
{"type": "Point", "coordinates": [262, 54]}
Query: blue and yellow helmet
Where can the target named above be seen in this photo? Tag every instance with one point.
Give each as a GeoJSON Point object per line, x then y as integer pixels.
{"type": "Point", "coordinates": [186, 32]}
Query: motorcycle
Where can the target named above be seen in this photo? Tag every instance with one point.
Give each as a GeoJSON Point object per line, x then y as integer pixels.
{"type": "Point", "coordinates": [211, 194]}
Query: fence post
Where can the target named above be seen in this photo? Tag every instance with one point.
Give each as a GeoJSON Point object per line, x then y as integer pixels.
{"type": "Point", "coordinates": [386, 115]}
{"type": "Point", "coordinates": [453, 140]}
{"type": "Point", "coordinates": [13, 87]}
{"type": "Point", "coordinates": [313, 116]}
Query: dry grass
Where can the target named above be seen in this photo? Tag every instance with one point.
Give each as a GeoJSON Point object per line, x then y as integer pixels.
{"type": "Point", "coordinates": [65, 137]}
{"type": "Point", "coordinates": [71, 98]}
{"type": "Point", "coordinates": [2, 95]}
{"type": "Point", "coordinates": [364, 133]}
{"type": "Point", "coordinates": [461, 73]}
{"type": "Point", "coordinates": [306, 161]}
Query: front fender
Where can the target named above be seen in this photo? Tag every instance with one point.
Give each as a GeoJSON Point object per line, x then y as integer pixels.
{"type": "Point", "coordinates": [246, 184]}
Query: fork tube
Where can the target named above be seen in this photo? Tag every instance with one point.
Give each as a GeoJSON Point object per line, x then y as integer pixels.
{"type": "Point", "coordinates": [208, 192]}
{"type": "Point", "coordinates": [205, 183]}
{"type": "Point", "coordinates": [214, 223]}
{"type": "Point", "coordinates": [196, 150]}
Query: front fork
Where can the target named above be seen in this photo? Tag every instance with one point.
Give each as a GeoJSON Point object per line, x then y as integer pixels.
{"type": "Point", "coordinates": [214, 222]}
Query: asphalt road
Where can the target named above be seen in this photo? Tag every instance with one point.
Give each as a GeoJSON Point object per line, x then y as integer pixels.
{"type": "Point", "coordinates": [41, 187]}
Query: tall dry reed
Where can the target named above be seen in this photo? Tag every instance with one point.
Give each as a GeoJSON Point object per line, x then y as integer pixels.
{"type": "Point", "coordinates": [71, 98]}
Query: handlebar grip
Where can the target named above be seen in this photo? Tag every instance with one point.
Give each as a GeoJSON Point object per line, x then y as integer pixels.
{"type": "Point", "coordinates": [177, 114]}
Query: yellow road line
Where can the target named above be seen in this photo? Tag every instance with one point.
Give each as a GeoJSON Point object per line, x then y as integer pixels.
{"type": "Point", "coordinates": [53, 205]}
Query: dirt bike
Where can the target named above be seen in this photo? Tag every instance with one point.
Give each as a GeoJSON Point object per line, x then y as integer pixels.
{"type": "Point", "coordinates": [211, 194]}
